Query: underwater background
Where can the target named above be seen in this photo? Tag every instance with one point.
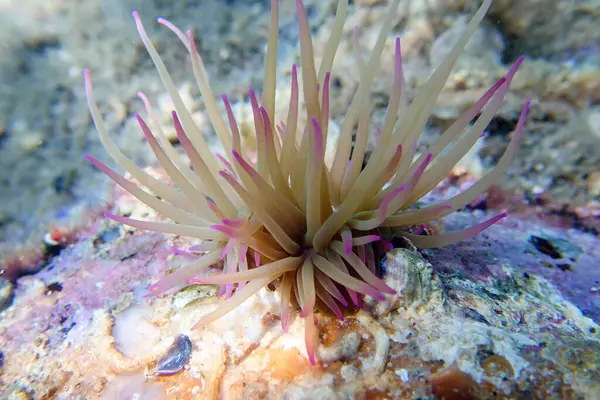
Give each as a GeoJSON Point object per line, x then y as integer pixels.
{"type": "Point", "coordinates": [510, 313]}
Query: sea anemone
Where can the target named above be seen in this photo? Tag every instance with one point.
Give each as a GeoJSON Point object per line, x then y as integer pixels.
{"type": "Point", "coordinates": [282, 216]}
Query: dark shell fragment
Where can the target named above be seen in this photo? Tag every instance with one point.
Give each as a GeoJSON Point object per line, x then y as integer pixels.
{"type": "Point", "coordinates": [176, 356]}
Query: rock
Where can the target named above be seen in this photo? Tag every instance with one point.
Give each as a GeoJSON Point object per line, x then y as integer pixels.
{"type": "Point", "coordinates": [471, 310]}
{"type": "Point", "coordinates": [6, 294]}
{"type": "Point", "coordinates": [555, 29]}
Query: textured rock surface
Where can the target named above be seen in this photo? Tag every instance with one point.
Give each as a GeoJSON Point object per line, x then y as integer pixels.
{"type": "Point", "coordinates": [495, 314]}
{"type": "Point", "coordinates": [45, 126]}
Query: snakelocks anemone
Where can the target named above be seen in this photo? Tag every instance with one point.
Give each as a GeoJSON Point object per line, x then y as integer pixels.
{"type": "Point", "coordinates": [283, 216]}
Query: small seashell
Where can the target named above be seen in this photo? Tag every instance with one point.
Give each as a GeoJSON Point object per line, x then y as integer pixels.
{"type": "Point", "coordinates": [176, 357]}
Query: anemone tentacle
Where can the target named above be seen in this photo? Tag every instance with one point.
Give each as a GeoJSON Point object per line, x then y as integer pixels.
{"type": "Point", "coordinates": [285, 216]}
